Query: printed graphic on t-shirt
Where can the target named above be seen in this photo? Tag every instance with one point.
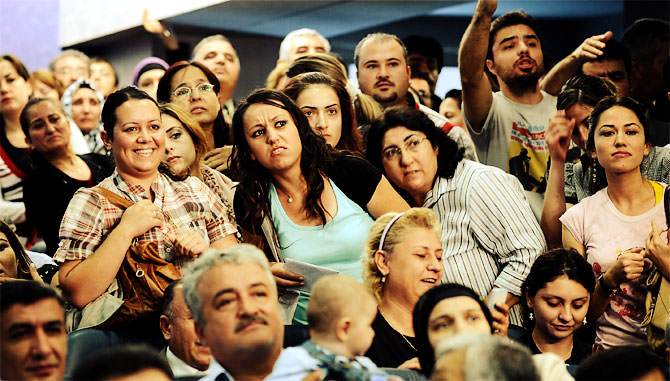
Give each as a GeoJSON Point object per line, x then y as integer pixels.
{"type": "Point", "coordinates": [528, 155]}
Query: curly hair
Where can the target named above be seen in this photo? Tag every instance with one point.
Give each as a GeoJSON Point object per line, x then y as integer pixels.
{"type": "Point", "coordinates": [252, 194]}
{"type": "Point", "coordinates": [411, 219]}
{"type": "Point", "coordinates": [350, 139]}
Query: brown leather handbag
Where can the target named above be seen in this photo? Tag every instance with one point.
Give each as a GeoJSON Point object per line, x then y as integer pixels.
{"type": "Point", "coordinates": [143, 277]}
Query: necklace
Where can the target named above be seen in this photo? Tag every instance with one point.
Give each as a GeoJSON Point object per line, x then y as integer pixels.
{"type": "Point", "coordinates": [407, 341]}
{"type": "Point", "coordinates": [288, 196]}
{"type": "Point", "coordinates": [401, 335]}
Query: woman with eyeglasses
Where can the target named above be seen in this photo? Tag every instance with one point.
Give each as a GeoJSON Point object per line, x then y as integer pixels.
{"type": "Point", "coordinates": [194, 88]}
{"type": "Point", "coordinates": [487, 225]}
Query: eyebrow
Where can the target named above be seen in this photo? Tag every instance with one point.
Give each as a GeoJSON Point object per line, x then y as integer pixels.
{"type": "Point", "coordinates": [136, 122]}
{"type": "Point", "coordinates": [184, 84]}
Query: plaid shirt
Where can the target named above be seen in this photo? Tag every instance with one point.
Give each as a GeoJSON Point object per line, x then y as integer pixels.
{"type": "Point", "coordinates": [186, 205]}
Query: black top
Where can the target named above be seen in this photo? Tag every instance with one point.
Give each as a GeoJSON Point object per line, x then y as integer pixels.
{"type": "Point", "coordinates": [356, 177]}
{"type": "Point", "coordinates": [18, 156]}
{"type": "Point", "coordinates": [580, 349]}
{"type": "Point", "coordinates": [47, 192]}
{"type": "Point", "coordinates": [390, 348]}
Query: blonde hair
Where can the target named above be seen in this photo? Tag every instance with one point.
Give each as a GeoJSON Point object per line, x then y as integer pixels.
{"type": "Point", "coordinates": [276, 75]}
{"type": "Point", "coordinates": [411, 219]}
{"type": "Point", "coordinates": [190, 125]}
{"type": "Point", "coordinates": [47, 77]}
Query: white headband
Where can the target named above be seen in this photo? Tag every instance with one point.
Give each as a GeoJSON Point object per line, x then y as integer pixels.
{"type": "Point", "coordinates": [387, 228]}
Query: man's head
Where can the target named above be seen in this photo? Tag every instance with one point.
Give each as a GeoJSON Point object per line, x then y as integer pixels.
{"type": "Point", "coordinates": [515, 51]}
{"type": "Point", "coordinates": [614, 64]}
{"type": "Point", "coordinates": [648, 42]}
{"type": "Point", "coordinates": [69, 66]}
{"type": "Point", "coordinates": [233, 298]}
{"type": "Point", "coordinates": [470, 357]}
{"type": "Point", "coordinates": [32, 323]}
{"type": "Point", "coordinates": [104, 76]}
{"type": "Point", "coordinates": [423, 85]}
{"type": "Point", "coordinates": [300, 42]}
{"type": "Point", "coordinates": [178, 329]}
{"type": "Point", "coordinates": [218, 55]}
{"type": "Point", "coordinates": [340, 314]}
{"type": "Point", "coordinates": [123, 363]}
{"type": "Point", "coordinates": [383, 73]}
{"type": "Point", "coordinates": [622, 363]}
{"type": "Point", "coordinates": [425, 54]}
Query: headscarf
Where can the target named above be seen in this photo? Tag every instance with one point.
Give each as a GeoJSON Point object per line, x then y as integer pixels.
{"type": "Point", "coordinates": [92, 139]}
{"type": "Point", "coordinates": [147, 64]}
{"type": "Point", "coordinates": [422, 311]}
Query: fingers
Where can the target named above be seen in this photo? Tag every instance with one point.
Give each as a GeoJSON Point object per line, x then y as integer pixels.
{"type": "Point", "coordinates": [314, 376]}
{"type": "Point", "coordinates": [33, 273]}
{"type": "Point", "coordinates": [190, 244]}
{"type": "Point", "coordinates": [284, 277]}
{"type": "Point", "coordinates": [412, 364]}
{"type": "Point", "coordinates": [145, 15]}
{"type": "Point", "coordinates": [500, 315]}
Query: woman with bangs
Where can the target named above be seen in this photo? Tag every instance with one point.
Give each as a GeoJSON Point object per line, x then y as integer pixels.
{"type": "Point", "coordinates": [611, 227]}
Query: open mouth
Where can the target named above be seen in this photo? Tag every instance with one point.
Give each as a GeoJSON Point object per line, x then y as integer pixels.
{"type": "Point", "coordinates": [277, 151]}
{"type": "Point", "coordinates": [429, 280]}
{"type": "Point", "coordinates": [145, 152]}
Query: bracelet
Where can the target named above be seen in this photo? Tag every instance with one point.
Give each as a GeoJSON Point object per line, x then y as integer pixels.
{"type": "Point", "coordinates": [167, 33]}
{"type": "Point", "coordinates": [601, 281]}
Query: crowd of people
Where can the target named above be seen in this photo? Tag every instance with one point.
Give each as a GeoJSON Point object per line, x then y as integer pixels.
{"type": "Point", "coordinates": [515, 230]}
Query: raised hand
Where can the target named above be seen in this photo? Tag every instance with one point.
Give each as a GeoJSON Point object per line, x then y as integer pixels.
{"type": "Point", "coordinates": [558, 136]}
{"type": "Point", "coordinates": [592, 47]}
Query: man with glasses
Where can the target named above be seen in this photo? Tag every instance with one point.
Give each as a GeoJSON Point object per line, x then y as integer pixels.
{"type": "Point", "coordinates": [69, 66]}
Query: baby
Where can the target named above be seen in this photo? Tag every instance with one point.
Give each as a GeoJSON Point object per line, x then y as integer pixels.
{"type": "Point", "coordinates": [340, 314]}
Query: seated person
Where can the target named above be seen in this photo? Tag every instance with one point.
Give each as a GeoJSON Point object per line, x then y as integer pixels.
{"type": "Point", "coordinates": [14, 261]}
{"type": "Point", "coordinates": [340, 313]}
{"type": "Point", "coordinates": [125, 362]}
{"type": "Point", "coordinates": [185, 353]}
{"type": "Point", "coordinates": [623, 363]}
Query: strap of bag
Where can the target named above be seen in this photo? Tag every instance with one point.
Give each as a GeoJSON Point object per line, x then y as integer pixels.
{"type": "Point", "coordinates": [114, 198]}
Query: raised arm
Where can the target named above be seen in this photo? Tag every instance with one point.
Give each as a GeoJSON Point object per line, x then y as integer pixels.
{"type": "Point", "coordinates": [86, 279]}
{"type": "Point", "coordinates": [558, 140]}
{"type": "Point", "coordinates": [477, 93]}
{"type": "Point", "coordinates": [590, 49]}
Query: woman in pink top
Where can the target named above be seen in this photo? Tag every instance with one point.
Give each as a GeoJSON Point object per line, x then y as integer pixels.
{"type": "Point", "coordinates": [610, 227]}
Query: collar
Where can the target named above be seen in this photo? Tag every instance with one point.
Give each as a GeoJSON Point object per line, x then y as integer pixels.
{"type": "Point", "coordinates": [442, 186]}
{"type": "Point", "coordinates": [217, 372]}
{"type": "Point", "coordinates": [136, 192]}
{"type": "Point", "coordinates": [179, 367]}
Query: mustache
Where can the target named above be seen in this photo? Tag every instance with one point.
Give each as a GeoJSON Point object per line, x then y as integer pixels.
{"type": "Point", "coordinates": [384, 82]}
{"type": "Point", "coordinates": [245, 321]}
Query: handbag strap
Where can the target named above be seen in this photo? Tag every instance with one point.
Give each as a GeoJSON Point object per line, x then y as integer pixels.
{"type": "Point", "coordinates": [114, 198]}
{"type": "Point", "coordinates": [666, 201]}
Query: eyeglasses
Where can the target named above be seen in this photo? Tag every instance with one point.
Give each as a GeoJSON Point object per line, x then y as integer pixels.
{"type": "Point", "coordinates": [185, 92]}
{"type": "Point", "coordinates": [393, 153]}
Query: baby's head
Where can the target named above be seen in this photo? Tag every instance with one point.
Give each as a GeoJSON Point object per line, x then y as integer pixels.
{"type": "Point", "coordinates": [340, 314]}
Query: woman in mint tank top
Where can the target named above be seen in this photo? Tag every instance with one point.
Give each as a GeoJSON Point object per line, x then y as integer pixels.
{"type": "Point", "coordinates": [297, 198]}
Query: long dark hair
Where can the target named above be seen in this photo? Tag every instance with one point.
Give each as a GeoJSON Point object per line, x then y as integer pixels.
{"type": "Point", "coordinates": [599, 181]}
{"type": "Point", "coordinates": [252, 194]}
{"type": "Point", "coordinates": [421, 314]}
{"type": "Point", "coordinates": [22, 260]}
{"type": "Point", "coordinates": [351, 138]}
{"type": "Point", "coordinates": [549, 266]}
{"type": "Point", "coordinates": [448, 155]}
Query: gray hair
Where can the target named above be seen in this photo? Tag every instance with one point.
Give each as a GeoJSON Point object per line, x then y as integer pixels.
{"type": "Point", "coordinates": [490, 357]}
{"type": "Point", "coordinates": [287, 42]}
{"type": "Point", "coordinates": [69, 53]}
{"type": "Point", "coordinates": [378, 37]}
{"type": "Point", "coordinates": [212, 38]}
{"type": "Point", "coordinates": [238, 254]}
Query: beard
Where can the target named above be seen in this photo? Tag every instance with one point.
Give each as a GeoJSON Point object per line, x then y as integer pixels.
{"type": "Point", "coordinates": [390, 99]}
{"type": "Point", "coordinates": [524, 83]}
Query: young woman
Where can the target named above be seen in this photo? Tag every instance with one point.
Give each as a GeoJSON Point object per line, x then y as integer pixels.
{"type": "Point", "coordinates": [571, 175]}
{"type": "Point", "coordinates": [402, 260]}
{"type": "Point", "coordinates": [194, 88]}
{"type": "Point", "coordinates": [556, 298]}
{"type": "Point", "coordinates": [183, 217]}
{"type": "Point", "coordinates": [610, 228]}
{"type": "Point", "coordinates": [185, 147]}
{"type": "Point", "coordinates": [445, 311]}
{"type": "Point", "coordinates": [308, 203]}
{"type": "Point", "coordinates": [55, 167]}
{"type": "Point", "coordinates": [487, 224]}
{"type": "Point", "coordinates": [328, 108]}
{"type": "Point", "coordinates": [148, 72]}
{"type": "Point", "coordinates": [15, 161]}
{"type": "Point", "coordinates": [14, 262]}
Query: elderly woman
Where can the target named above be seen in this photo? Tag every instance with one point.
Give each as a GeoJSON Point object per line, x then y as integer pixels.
{"type": "Point", "coordinates": [184, 218]}
{"type": "Point", "coordinates": [308, 203]}
{"type": "Point", "coordinates": [402, 260]}
{"type": "Point", "coordinates": [487, 224]}
{"type": "Point", "coordinates": [55, 167]}
{"type": "Point", "coordinates": [82, 103]}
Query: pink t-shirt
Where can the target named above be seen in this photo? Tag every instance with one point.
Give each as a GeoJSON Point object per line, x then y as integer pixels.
{"type": "Point", "coordinates": [605, 233]}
